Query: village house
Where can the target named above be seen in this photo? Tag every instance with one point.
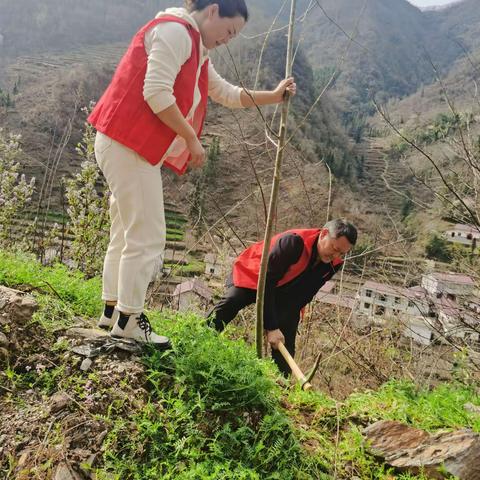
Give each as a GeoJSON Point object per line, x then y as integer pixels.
{"type": "Point", "coordinates": [450, 285]}
{"type": "Point", "coordinates": [330, 295]}
{"type": "Point", "coordinates": [456, 321]}
{"type": "Point", "coordinates": [428, 311]}
{"type": "Point", "coordinates": [193, 295]}
{"type": "Point", "coordinates": [217, 265]}
{"type": "Point", "coordinates": [464, 234]}
{"type": "Point", "coordinates": [381, 300]}
{"type": "Point", "coordinates": [380, 303]}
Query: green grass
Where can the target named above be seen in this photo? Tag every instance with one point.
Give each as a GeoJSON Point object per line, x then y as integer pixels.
{"type": "Point", "coordinates": [429, 410]}
{"type": "Point", "coordinates": [175, 234]}
{"type": "Point", "coordinates": [51, 216]}
{"type": "Point", "coordinates": [211, 410]}
{"type": "Point", "coordinates": [214, 412]}
{"type": "Point", "coordinates": [194, 267]}
{"type": "Point", "coordinates": [82, 296]}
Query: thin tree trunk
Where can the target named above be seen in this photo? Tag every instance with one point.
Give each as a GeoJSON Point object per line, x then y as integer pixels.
{"type": "Point", "coordinates": [274, 195]}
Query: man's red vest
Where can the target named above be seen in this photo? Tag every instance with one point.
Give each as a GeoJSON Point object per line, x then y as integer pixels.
{"type": "Point", "coordinates": [123, 114]}
{"type": "Point", "coordinates": [247, 265]}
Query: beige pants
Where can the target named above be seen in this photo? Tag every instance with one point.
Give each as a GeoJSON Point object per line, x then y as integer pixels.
{"type": "Point", "coordinates": [137, 233]}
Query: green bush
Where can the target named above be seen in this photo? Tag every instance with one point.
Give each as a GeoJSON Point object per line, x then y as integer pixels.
{"type": "Point", "coordinates": [214, 413]}
{"type": "Point", "coordinates": [88, 208]}
{"type": "Point", "coordinates": [15, 192]}
{"type": "Point", "coordinates": [438, 248]}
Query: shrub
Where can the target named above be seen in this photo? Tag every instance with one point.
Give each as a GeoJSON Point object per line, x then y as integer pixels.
{"type": "Point", "coordinates": [15, 192]}
{"type": "Point", "coordinates": [88, 209]}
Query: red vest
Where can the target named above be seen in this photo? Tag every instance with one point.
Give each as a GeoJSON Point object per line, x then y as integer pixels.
{"type": "Point", "coordinates": [124, 115]}
{"type": "Point", "coordinates": [247, 265]}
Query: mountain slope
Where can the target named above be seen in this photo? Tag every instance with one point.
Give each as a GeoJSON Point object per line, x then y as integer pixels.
{"type": "Point", "coordinates": [66, 24]}
{"type": "Point", "coordinates": [208, 409]}
{"type": "Point", "coordinates": [388, 57]}
{"type": "Point", "coordinates": [460, 21]}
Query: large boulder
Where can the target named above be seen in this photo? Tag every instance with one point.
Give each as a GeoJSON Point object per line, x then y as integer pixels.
{"type": "Point", "coordinates": [437, 456]}
{"type": "Point", "coordinates": [16, 310]}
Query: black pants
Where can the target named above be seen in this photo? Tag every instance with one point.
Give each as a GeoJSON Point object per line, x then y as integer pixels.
{"type": "Point", "coordinates": [237, 298]}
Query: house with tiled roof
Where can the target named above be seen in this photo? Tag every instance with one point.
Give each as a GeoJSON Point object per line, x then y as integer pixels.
{"type": "Point", "coordinates": [468, 235]}
{"type": "Point", "coordinates": [450, 285]}
{"type": "Point", "coordinates": [192, 295]}
{"type": "Point", "coordinates": [380, 302]}
{"type": "Point", "coordinates": [331, 294]}
{"type": "Point", "coordinates": [217, 265]}
{"type": "Point", "coordinates": [443, 306]}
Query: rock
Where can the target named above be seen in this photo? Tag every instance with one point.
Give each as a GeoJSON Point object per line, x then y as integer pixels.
{"type": "Point", "coordinates": [26, 307]}
{"type": "Point", "coordinates": [413, 450]}
{"type": "Point", "coordinates": [101, 437]}
{"type": "Point", "coordinates": [17, 304]}
{"type": "Point", "coordinates": [86, 364]}
{"type": "Point", "coordinates": [88, 333]}
{"type": "Point", "coordinates": [59, 401]}
{"type": "Point", "coordinates": [3, 340]}
{"type": "Point", "coordinates": [4, 353]}
{"type": "Point", "coordinates": [64, 472]}
{"type": "Point", "coordinates": [470, 407]}
{"type": "Point", "coordinates": [86, 466]}
{"type": "Point", "coordinates": [22, 461]}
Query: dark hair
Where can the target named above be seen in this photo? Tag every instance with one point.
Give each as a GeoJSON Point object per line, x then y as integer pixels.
{"type": "Point", "coordinates": [342, 228]}
{"type": "Point", "coordinates": [227, 8]}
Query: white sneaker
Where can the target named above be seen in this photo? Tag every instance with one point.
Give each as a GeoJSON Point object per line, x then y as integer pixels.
{"type": "Point", "coordinates": [108, 322]}
{"type": "Point", "coordinates": [137, 327]}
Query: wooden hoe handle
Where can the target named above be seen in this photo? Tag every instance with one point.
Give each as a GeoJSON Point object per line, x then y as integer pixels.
{"type": "Point", "coordinates": [297, 373]}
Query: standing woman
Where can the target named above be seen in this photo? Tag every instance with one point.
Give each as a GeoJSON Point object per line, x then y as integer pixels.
{"type": "Point", "coordinates": [151, 115]}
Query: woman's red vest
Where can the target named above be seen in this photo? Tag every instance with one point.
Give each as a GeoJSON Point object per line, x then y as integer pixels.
{"type": "Point", "coordinates": [123, 114]}
{"type": "Point", "coordinates": [247, 265]}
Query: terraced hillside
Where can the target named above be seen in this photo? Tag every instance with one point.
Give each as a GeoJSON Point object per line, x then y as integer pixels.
{"type": "Point", "coordinates": [386, 184]}
{"type": "Point", "coordinates": [28, 67]}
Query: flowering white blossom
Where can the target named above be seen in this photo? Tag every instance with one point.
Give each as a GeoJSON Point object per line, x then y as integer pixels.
{"type": "Point", "coordinates": [88, 200]}
{"type": "Point", "coordinates": [15, 192]}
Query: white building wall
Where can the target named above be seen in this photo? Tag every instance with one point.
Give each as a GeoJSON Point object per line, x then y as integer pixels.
{"type": "Point", "coordinates": [418, 331]}
{"type": "Point", "coordinates": [430, 284]}
{"type": "Point", "coordinates": [454, 235]}
{"type": "Point", "coordinates": [214, 269]}
{"type": "Point", "coordinates": [436, 286]}
{"type": "Point", "coordinates": [381, 305]}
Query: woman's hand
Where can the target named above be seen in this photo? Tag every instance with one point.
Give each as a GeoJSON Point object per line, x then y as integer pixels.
{"type": "Point", "coordinates": [249, 98]}
{"type": "Point", "coordinates": [287, 85]}
{"type": "Point", "coordinates": [196, 150]}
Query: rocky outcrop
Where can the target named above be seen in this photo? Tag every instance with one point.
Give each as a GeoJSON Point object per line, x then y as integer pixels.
{"type": "Point", "coordinates": [15, 306]}
{"type": "Point", "coordinates": [438, 456]}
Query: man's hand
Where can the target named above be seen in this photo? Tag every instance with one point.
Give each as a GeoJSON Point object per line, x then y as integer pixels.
{"type": "Point", "coordinates": [274, 337]}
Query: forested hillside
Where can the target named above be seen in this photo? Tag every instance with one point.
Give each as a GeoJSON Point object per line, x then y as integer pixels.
{"type": "Point", "coordinates": [29, 27]}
